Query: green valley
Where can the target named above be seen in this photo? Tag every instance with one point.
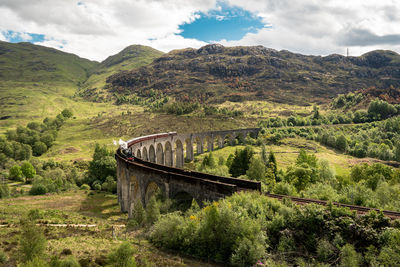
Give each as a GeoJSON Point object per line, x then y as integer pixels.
{"type": "Point", "coordinates": [329, 129]}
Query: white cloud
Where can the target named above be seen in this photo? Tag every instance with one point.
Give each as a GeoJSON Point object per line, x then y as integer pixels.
{"type": "Point", "coordinates": [320, 27]}
{"type": "Point", "coordinates": [2, 37]}
{"type": "Point", "coordinates": [96, 29]}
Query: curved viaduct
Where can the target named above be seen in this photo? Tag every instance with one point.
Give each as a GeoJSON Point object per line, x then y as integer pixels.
{"type": "Point", "coordinates": [158, 162]}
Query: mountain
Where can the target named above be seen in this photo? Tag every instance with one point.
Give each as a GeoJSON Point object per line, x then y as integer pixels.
{"type": "Point", "coordinates": [215, 73]}
{"type": "Point", "coordinates": [131, 57]}
{"type": "Point", "coordinates": [26, 62]}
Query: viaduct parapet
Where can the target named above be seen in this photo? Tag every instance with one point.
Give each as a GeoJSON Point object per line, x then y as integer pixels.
{"type": "Point", "coordinates": [158, 161]}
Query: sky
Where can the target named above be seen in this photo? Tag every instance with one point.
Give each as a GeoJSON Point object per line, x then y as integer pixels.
{"type": "Point", "coordinates": [96, 29]}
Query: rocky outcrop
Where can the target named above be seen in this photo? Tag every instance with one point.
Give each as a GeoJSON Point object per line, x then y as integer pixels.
{"type": "Point", "coordinates": [257, 72]}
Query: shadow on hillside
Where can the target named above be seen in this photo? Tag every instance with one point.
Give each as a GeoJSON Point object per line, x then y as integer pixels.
{"type": "Point", "coordinates": [100, 205]}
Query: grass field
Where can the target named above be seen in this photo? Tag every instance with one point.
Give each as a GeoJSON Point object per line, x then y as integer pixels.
{"type": "Point", "coordinates": [287, 152]}
{"type": "Point", "coordinates": [94, 243]}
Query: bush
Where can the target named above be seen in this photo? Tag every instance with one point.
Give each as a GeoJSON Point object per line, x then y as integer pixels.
{"type": "Point", "coordinates": [97, 187]}
{"type": "Point", "coordinates": [3, 257]}
{"type": "Point", "coordinates": [15, 173]}
{"type": "Point", "coordinates": [32, 243]}
{"type": "Point", "coordinates": [152, 211]}
{"type": "Point", "coordinates": [223, 231]}
{"type": "Point", "coordinates": [349, 256]}
{"type": "Point", "coordinates": [390, 253]}
{"type": "Point", "coordinates": [138, 212]}
{"type": "Point", "coordinates": [36, 262]}
{"type": "Point", "coordinates": [85, 187]}
{"type": "Point", "coordinates": [28, 170]}
{"type": "Point", "coordinates": [4, 191]}
{"type": "Point", "coordinates": [34, 214]}
{"type": "Point", "coordinates": [67, 262]}
{"type": "Point", "coordinates": [38, 189]}
{"type": "Point", "coordinates": [283, 188]}
{"type": "Point", "coordinates": [67, 113]}
{"type": "Point", "coordinates": [123, 256]}
{"type": "Point", "coordinates": [256, 169]}
{"type": "Point", "coordinates": [39, 148]}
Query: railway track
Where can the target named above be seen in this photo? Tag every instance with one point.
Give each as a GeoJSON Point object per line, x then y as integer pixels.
{"type": "Point", "coordinates": [358, 209]}
{"type": "Point", "coordinates": [298, 200]}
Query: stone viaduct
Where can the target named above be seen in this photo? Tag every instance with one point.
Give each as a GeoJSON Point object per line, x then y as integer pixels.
{"type": "Point", "coordinates": [158, 161]}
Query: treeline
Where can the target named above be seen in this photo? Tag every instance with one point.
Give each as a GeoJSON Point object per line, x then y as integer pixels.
{"type": "Point", "coordinates": [36, 138]}
{"type": "Point", "coordinates": [154, 100]}
{"type": "Point", "coordinates": [312, 178]}
{"type": "Point", "coordinates": [347, 101]}
{"type": "Point", "coordinates": [377, 110]}
{"type": "Point", "coordinates": [53, 177]}
{"type": "Point", "coordinates": [182, 108]}
{"type": "Point", "coordinates": [377, 139]}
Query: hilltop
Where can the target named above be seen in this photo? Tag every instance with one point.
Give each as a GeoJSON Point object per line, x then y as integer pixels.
{"type": "Point", "coordinates": [131, 57]}
{"type": "Point", "coordinates": [26, 62]}
{"type": "Point", "coordinates": [215, 74]}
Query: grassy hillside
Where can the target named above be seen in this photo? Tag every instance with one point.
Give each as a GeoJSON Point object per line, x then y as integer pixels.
{"type": "Point", "coordinates": [26, 62]}
{"type": "Point", "coordinates": [87, 244]}
{"type": "Point", "coordinates": [215, 74]}
{"type": "Point", "coordinates": [131, 57]}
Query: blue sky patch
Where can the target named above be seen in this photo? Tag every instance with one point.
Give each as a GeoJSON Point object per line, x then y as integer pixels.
{"type": "Point", "coordinates": [225, 22]}
{"type": "Point", "coordinates": [16, 37]}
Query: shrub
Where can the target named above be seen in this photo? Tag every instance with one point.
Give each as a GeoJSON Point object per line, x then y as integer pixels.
{"type": "Point", "coordinates": [36, 262]}
{"type": "Point", "coordinates": [67, 113]}
{"type": "Point", "coordinates": [32, 242]}
{"type": "Point", "coordinates": [152, 211]}
{"type": "Point", "coordinates": [28, 170]}
{"type": "Point", "coordinates": [138, 212]}
{"type": "Point", "coordinates": [325, 250]}
{"type": "Point", "coordinates": [34, 214]}
{"type": "Point", "coordinates": [284, 188]}
{"type": "Point", "coordinates": [97, 187]}
{"type": "Point", "coordinates": [123, 256]}
{"type": "Point", "coordinates": [222, 231]}
{"type": "Point", "coordinates": [4, 191]}
{"type": "Point", "coordinates": [256, 169]}
{"type": "Point", "coordinates": [3, 257]}
{"type": "Point", "coordinates": [15, 172]}
{"type": "Point", "coordinates": [38, 189]}
{"type": "Point", "coordinates": [39, 148]}
{"type": "Point", "coordinates": [390, 253]}
{"type": "Point", "coordinates": [85, 187]}
{"type": "Point", "coordinates": [349, 256]}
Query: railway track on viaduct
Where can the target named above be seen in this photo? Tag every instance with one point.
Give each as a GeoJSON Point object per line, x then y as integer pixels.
{"type": "Point", "coordinates": [157, 161]}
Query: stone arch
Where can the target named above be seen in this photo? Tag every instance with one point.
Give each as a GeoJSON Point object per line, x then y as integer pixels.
{"type": "Point", "coordinates": [151, 189]}
{"type": "Point", "coordinates": [228, 140]}
{"type": "Point", "coordinates": [218, 142]}
{"type": "Point", "coordinates": [160, 154]}
{"type": "Point", "coordinates": [134, 194]}
{"type": "Point", "coordinates": [189, 149]}
{"type": "Point", "coordinates": [240, 138]}
{"type": "Point", "coordinates": [210, 143]}
{"type": "Point", "coordinates": [152, 154]}
{"type": "Point", "coordinates": [179, 154]}
{"type": "Point", "coordinates": [182, 201]}
{"type": "Point", "coordinates": [199, 145]}
{"type": "Point", "coordinates": [144, 154]}
{"type": "Point", "coordinates": [138, 154]}
{"type": "Point", "coordinates": [169, 159]}
{"type": "Point", "coordinates": [252, 134]}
